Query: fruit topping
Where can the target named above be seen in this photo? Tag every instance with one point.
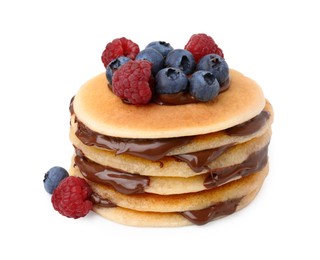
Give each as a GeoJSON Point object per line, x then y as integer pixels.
{"type": "Point", "coordinates": [171, 80]}
{"type": "Point", "coordinates": [114, 65]}
{"type": "Point", "coordinates": [154, 57]}
{"type": "Point", "coordinates": [181, 59]}
{"type": "Point", "coordinates": [72, 197]}
{"type": "Point", "coordinates": [131, 82]}
{"type": "Point", "coordinates": [201, 44]}
{"type": "Point", "coordinates": [204, 86]}
{"type": "Point", "coordinates": [119, 47]}
{"type": "Point", "coordinates": [163, 47]}
{"type": "Point", "coordinates": [53, 177]}
{"type": "Point", "coordinates": [216, 65]}
{"type": "Point", "coordinates": [197, 73]}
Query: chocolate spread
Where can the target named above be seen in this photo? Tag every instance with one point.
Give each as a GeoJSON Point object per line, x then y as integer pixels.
{"type": "Point", "coordinates": [121, 181]}
{"type": "Point", "coordinates": [150, 149]}
{"type": "Point", "coordinates": [198, 161]}
{"type": "Point", "coordinates": [71, 106]}
{"type": "Point", "coordinates": [254, 163]}
{"type": "Point", "coordinates": [155, 149]}
{"type": "Point", "coordinates": [97, 200]}
{"type": "Point", "coordinates": [129, 183]}
{"type": "Point", "coordinates": [182, 98]}
{"type": "Point", "coordinates": [203, 216]}
{"type": "Point", "coordinates": [249, 127]}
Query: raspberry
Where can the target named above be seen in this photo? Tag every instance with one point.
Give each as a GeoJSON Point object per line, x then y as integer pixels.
{"type": "Point", "coordinates": [201, 44]}
{"type": "Point", "coordinates": [119, 47]}
{"type": "Point", "coordinates": [72, 197]}
{"type": "Point", "coordinates": [132, 82]}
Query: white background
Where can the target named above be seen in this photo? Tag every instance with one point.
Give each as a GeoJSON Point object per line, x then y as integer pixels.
{"type": "Point", "coordinates": [48, 49]}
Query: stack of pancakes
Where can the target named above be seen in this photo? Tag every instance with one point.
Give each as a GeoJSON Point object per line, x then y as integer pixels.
{"type": "Point", "coordinates": [171, 165]}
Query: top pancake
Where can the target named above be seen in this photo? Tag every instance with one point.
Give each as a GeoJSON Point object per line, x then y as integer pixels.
{"type": "Point", "coordinates": [102, 111]}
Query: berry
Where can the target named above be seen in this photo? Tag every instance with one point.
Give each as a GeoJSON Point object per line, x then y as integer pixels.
{"type": "Point", "coordinates": [119, 47]}
{"type": "Point", "coordinates": [216, 65]}
{"type": "Point", "coordinates": [53, 177]}
{"type": "Point", "coordinates": [171, 80]}
{"type": "Point", "coordinates": [72, 197]}
{"type": "Point", "coordinates": [114, 65]}
{"type": "Point", "coordinates": [201, 44]}
{"type": "Point", "coordinates": [204, 86]}
{"type": "Point", "coordinates": [131, 82]}
{"type": "Point", "coordinates": [181, 59]}
{"type": "Point", "coordinates": [154, 57]}
{"type": "Point", "coordinates": [163, 47]}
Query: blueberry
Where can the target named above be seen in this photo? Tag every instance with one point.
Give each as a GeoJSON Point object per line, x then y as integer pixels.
{"type": "Point", "coordinates": [181, 59]}
{"type": "Point", "coordinates": [204, 86]}
{"type": "Point", "coordinates": [114, 65]}
{"type": "Point", "coordinates": [53, 177]}
{"type": "Point", "coordinates": [171, 80]}
{"type": "Point", "coordinates": [154, 57]}
{"type": "Point", "coordinates": [163, 47]}
{"type": "Point", "coordinates": [216, 65]}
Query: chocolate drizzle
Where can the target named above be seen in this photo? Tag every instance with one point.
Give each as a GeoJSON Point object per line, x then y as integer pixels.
{"type": "Point", "coordinates": [121, 181]}
{"type": "Point", "coordinates": [198, 161]}
{"type": "Point", "coordinates": [182, 98]}
{"type": "Point", "coordinates": [203, 216]}
{"type": "Point", "coordinates": [71, 106]}
{"type": "Point", "coordinates": [156, 149]}
{"type": "Point", "coordinates": [97, 200]}
{"type": "Point", "coordinates": [150, 149]}
{"type": "Point", "coordinates": [128, 183]}
{"type": "Point", "coordinates": [249, 127]}
{"type": "Point", "coordinates": [255, 162]}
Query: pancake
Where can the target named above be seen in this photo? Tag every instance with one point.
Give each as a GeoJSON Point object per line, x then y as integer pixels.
{"type": "Point", "coordinates": [99, 109]}
{"type": "Point", "coordinates": [157, 210]}
{"type": "Point", "coordinates": [197, 143]}
{"type": "Point", "coordinates": [156, 219]}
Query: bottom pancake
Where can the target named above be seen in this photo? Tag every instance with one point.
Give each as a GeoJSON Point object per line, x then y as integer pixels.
{"type": "Point", "coordinates": [175, 210]}
{"type": "Point", "coordinates": [170, 219]}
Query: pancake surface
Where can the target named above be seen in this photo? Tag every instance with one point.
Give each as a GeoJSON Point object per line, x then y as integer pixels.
{"type": "Point", "coordinates": [99, 109]}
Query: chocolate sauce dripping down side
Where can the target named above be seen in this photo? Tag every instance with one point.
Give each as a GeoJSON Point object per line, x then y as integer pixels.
{"type": "Point", "coordinates": [121, 181]}
{"type": "Point", "coordinates": [97, 200]}
{"type": "Point", "coordinates": [128, 183]}
{"type": "Point", "coordinates": [198, 161]}
{"type": "Point", "coordinates": [249, 127]}
{"type": "Point", "coordinates": [254, 163]}
{"type": "Point", "coordinates": [150, 149]}
{"type": "Point", "coordinates": [203, 216]}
